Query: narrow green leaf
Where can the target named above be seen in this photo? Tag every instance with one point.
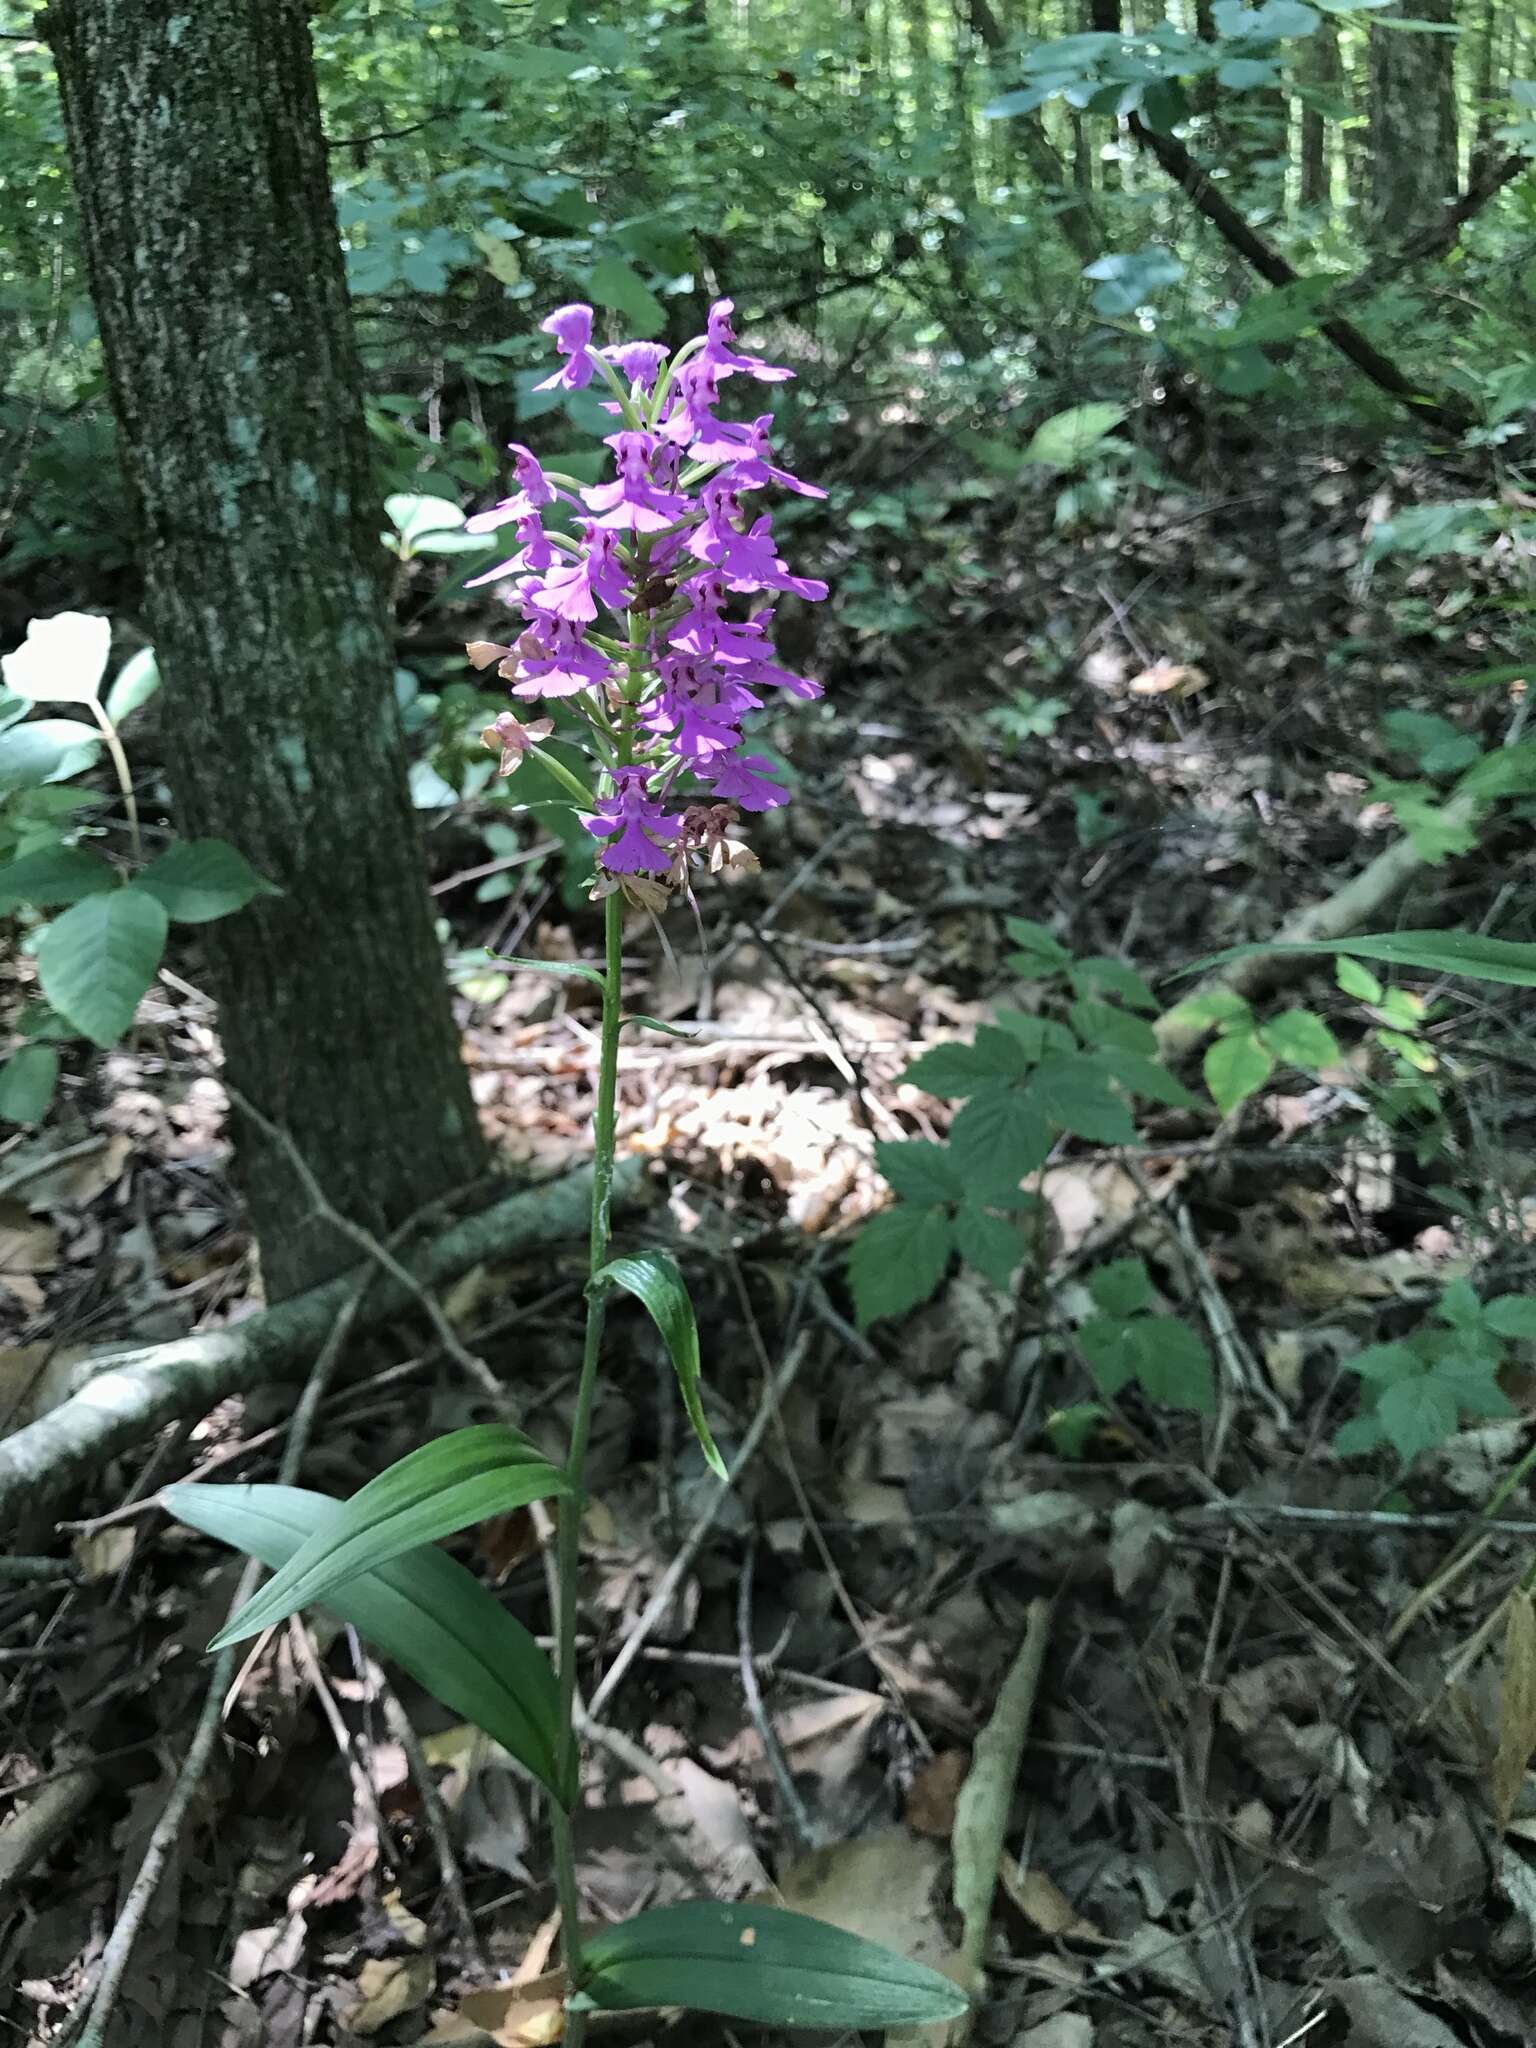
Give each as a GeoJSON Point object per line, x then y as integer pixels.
{"type": "Point", "coordinates": [200, 879]}
{"type": "Point", "coordinates": [1067, 438]}
{"type": "Point", "coordinates": [654, 1280]}
{"type": "Point", "coordinates": [1045, 950]}
{"type": "Point", "coordinates": [53, 875]}
{"type": "Point", "coordinates": [134, 684]}
{"type": "Point", "coordinates": [28, 1079]}
{"type": "Point", "coordinates": [760, 1963]}
{"type": "Point", "coordinates": [686, 1032]}
{"type": "Point", "coordinates": [96, 961]}
{"type": "Point", "coordinates": [573, 970]}
{"type": "Point", "coordinates": [424, 1610]}
{"type": "Point", "coordinates": [1463, 953]}
{"type": "Point", "coordinates": [451, 1484]}
{"type": "Point", "coordinates": [1235, 1067]}
{"type": "Point", "coordinates": [897, 1260]}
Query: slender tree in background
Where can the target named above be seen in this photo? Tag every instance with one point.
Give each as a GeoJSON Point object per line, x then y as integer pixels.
{"type": "Point", "coordinates": [1413, 122]}
{"type": "Point", "coordinates": [205, 207]}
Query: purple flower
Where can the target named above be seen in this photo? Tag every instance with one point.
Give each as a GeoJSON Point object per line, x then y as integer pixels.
{"type": "Point", "coordinates": [533, 557]}
{"type": "Point", "coordinates": [554, 659]}
{"type": "Point", "coordinates": [638, 361]}
{"type": "Point", "coordinates": [645, 831]}
{"type": "Point", "coordinates": [750, 467]}
{"type": "Point", "coordinates": [575, 591]}
{"type": "Point", "coordinates": [691, 423]}
{"type": "Point", "coordinates": [636, 501]}
{"type": "Point", "coordinates": [699, 711]}
{"type": "Point", "coordinates": [720, 348]}
{"type": "Point", "coordinates": [571, 327]}
{"type": "Point", "coordinates": [533, 490]}
{"type": "Point", "coordinates": [742, 779]}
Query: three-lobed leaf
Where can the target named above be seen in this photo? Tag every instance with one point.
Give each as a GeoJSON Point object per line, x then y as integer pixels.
{"type": "Point", "coordinates": [423, 1609]}
{"type": "Point", "coordinates": [763, 1964]}
{"type": "Point", "coordinates": [447, 1485]}
{"type": "Point", "coordinates": [97, 960]}
{"type": "Point", "coordinates": [653, 1278]}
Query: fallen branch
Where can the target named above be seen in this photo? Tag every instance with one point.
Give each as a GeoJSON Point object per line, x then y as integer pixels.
{"type": "Point", "coordinates": [1347, 910]}
{"type": "Point", "coordinates": [118, 1399]}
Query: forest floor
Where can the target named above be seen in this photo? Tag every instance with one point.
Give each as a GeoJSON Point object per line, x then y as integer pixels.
{"type": "Point", "coordinates": [1257, 1799]}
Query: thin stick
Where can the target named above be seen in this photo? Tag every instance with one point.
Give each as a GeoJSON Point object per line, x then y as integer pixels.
{"type": "Point", "coordinates": [677, 1570]}
{"type": "Point", "coordinates": [435, 1813]}
{"type": "Point", "coordinates": [792, 1805]}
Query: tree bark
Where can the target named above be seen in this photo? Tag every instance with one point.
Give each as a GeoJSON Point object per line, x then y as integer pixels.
{"type": "Point", "coordinates": [1414, 168]}
{"type": "Point", "coordinates": [199, 169]}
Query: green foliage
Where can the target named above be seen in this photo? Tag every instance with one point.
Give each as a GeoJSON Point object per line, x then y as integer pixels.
{"type": "Point", "coordinates": [755, 1962]}
{"type": "Point", "coordinates": [1416, 1390]}
{"type": "Point", "coordinates": [1126, 1342]}
{"type": "Point", "coordinates": [96, 961]}
{"type": "Point", "coordinates": [434, 1618]}
{"type": "Point", "coordinates": [1028, 717]}
{"type": "Point", "coordinates": [653, 1279]}
{"type": "Point", "coordinates": [447, 1485]}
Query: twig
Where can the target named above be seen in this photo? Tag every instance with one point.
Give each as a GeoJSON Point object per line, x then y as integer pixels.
{"type": "Point", "coordinates": [27, 1838]}
{"type": "Point", "coordinates": [791, 1804]}
{"type": "Point", "coordinates": [677, 1570]}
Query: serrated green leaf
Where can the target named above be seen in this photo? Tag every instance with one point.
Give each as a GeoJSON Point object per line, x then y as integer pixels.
{"type": "Point", "coordinates": [1121, 1286]}
{"type": "Point", "coordinates": [96, 961]}
{"type": "Point", "coordinates": [1218, 1009]}
{"type": "Point", "coordinates": [1511, 1315]}
{"type": "Point", "coordinates": [920, 1172]}
{"type": "Point", "coordinates": [760, 1963]}
{"type": "Point", "coordinates": [655, 1282]}
{"type": "Point", "coordinates": [27, 1081]}
{"type": "Point", "coordinates": [1301, 1040]}
{"type": "Point", "coordinates": [1100, 1024]}
{"type": "Point", "coordinates": [998, 1137]}
{"type": "Point", "coordinates": [1460, 1305]}
{"type": "Point", "coordinates": [448, 1485]}
{"type": "Point", "coordinates": [1044, 950]}
{"type": "Point", "coordinates": [897, 1260]}
{"type": "Point", "coordinates": [200, 879]}
{"type": "Point", "coordinates": [1235, 1067]}
{"type": "Point", "coordinates": [1361, 1434]}
{"type": "Point", "coordinates": [1384, 1363]}
{"type": "Point", "coordinates": [53, 875]}
{"type": "Point", "coordinates": [992, 1245]}
{"type": "Point", "coordinates": [1417, 1414]}
{"type": "Point", "coordinates": [1077, 1094]}
{"type": "Point", "coordinates": [1114, 978]}
{"type": "Point", "coordinates": [1110, 1349]}
{"type": "Point", "coordinates": [1037, 1035]}
{"type": "Point", "coordinates": [1068, 438]}
{"type": "Point", "coordinates": [1142, 1076]}
{"type": "Point", "coordinates": [424, 1610]}
{"type": "Point", "coordinates": [959, 1069]}
{"type": "Point", "coordinates": [1173, 1363]}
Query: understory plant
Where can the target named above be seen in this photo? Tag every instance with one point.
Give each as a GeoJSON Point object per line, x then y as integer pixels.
{"type": "Point", "coordinates": [642, 610]}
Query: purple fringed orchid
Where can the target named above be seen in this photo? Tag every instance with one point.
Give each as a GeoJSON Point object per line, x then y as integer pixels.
{"type": "Point", "coordinates": [653, 616]}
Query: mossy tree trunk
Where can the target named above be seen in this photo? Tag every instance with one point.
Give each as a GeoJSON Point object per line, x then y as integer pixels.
{"type": "Point", "coordinates": [205, 208]}
{"type": "Point", "coordinates": [1413, 122]}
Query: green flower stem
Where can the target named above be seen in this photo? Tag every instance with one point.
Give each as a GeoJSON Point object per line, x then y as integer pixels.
{"type": "Point", "coordinates": [627, 411]}
{"type": "Point", "coordinates": [568, 1552]}
{"type": "Point", "coordinates": [572, 784]}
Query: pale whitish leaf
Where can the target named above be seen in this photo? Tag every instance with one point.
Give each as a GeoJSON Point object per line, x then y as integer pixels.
{"type": "Point", "coordinates": [61, 660]}
{"type": "Point", "coordinates": [134, 684]}
{"type": "Point", "coordinates": [424, 1610]}
{"type": "Point", "coordinates": [448, 1485]}
{"type": "Point", "coordinates": [96, 960]}
{"type": "Point", "coordinates": [759, 1963]}
{"type": "Point", "coordinates": [1235, 1067]}
{"type": "Point", "coordinates": [27, 1081]}
{"type": "Point", "coordinates": [45, 750]}
{"type": "Point", "coordinates": [413, 514]}
{"type": "Point", "coordinates": [1070, 437]}
{"type": "Point", "coordinates": [897, 1260]}
{"type": "Point", "coordinates": [654, 1280]}
{"type": "Point", "coordinates": [200, 879]}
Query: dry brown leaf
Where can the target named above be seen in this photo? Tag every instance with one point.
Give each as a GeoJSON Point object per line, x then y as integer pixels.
{"type": "Point", "coordinates": [519, 2014]}
{"type": "Point", "coordinates": [1517, 1707]}
{"type": "Point", "coordinates": [1044, 1904]}
{"type": "Point", "coordinates": [506, 1540]}
{"type": "Point", "coordinates": [881, 1886]}
{"type": "Point", "coordinates": [390, 1986]}
{"type": "Point", "coordinates": [930, 1806]}
{"type": "Point", "coordinates": [1166, 678]}
{"type": "Point", "coordinates": [102, 1553]}
{"type": "Point", "coordinates": [411, 1930]}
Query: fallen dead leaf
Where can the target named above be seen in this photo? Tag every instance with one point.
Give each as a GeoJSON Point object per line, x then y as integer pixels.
{"type": "Point", "coordinates": [1061, 2030]}
{"type": "Point", "coordinates": [528, 2014]}
{"type": "Point", "coordinates": [1045, 1905]}
{"type": "Point", "coordinates": [1517, 1707]}
{"type": "Point", "coordinates": [102, 1553]}
{"type": "Point", "coordinates": [1166, 678]}
{"type": "Point", "coordinates": [390, 1986]}
{"type": "Point", "coordinates": [930, 1804]}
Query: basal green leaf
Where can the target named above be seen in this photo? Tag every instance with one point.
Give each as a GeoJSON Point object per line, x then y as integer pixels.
{"type": "Point", "coordinates": [423, 1609]}
{"type": "Point", "coordinates": [897, 1260]}
{"type": "Point", "coordinates": [1070, 437]}
{"type": "Point", "coordinates": [200, 879]}
{"type": "Point", "coordinates": [448, 1485]}
{"type": "Point", "coordinates": [45, 750]}
{"type": "Point", "coordinates": [654, 1280]}
{"type": "Point", "coordinates": [760, 1963]}
{"type": "Point", "coordinates": [96, 960]}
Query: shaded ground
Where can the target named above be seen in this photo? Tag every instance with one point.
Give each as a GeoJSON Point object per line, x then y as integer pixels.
{"type": "Point", "coordinates": [1256, 1803]}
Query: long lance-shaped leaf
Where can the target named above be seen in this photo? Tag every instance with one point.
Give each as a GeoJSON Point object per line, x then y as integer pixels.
{"type": "Point", "coordinates": [761, 1963]}
{"type": "Point", "coordinates": [1465, 953]}
{"type": "Point", "coordinates": [423, 1610]}
{"type": "Point", "coordinates": [653, 1279]}
{"type": "Point", "coordinates": [487, 1469]}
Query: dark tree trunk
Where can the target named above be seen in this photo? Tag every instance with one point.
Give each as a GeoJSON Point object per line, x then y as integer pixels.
{"type": "Point", "coordinates": [199, 169]}
{"type": "Point", "coordinates": [1320, 71]}
{"type": "Point", "coordinates": [1414, 169]}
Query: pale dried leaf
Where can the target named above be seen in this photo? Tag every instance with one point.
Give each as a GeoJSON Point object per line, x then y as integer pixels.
{"type": "Point", "coordinates": [1517, 1707]}
{"type": "Point", "coordinates": [390, 1986]}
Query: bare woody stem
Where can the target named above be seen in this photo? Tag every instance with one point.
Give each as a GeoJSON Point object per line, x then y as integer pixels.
{"type": "Point", "coordinates": [568, 1552]}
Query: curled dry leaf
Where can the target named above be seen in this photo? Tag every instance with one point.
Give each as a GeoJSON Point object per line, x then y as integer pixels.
{"type": "Point", "coordinates": [390, 1986]}
{"type": "Point", "coordinates": [1169, 678]}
